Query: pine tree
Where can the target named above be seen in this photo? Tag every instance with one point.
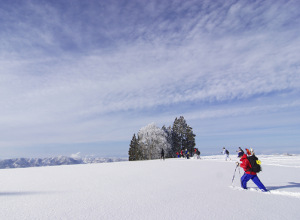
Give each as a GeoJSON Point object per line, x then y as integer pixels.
{"type": "Point", "coordinates": [190, 139]}
{"type": "Point", "coordinates": [133, 149]}
{"type": "Point", "coordinates": [182, 136]}
{"type": "Point", "coordinates": [178, 134]}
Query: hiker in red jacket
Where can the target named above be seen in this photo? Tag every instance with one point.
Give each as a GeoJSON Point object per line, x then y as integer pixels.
{"type": "Point", "coordinates": [195, 152]}
{"type": "Point", "coordinates": [246, 165]}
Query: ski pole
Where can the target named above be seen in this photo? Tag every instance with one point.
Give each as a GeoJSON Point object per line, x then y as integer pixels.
{"type": "Point", "coordinates": [234, 173]}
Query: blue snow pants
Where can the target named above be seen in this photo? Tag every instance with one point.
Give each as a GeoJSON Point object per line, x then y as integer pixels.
{"type": "Point", "coordinates": [246, 177]}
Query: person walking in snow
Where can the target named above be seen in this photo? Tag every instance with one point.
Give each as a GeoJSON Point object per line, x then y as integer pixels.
{"type": "Point", "coordinates": [226, 153]}
{"type": "Point", "coordinates": [198, 154]}
{"type": "Point", "coordinates": [162, 154]}
{"type": "Point", "coordinates": [187, 154]}
{"type": "Point", "coordinates": [249, 174]}
{"type": "Point", "coordinates": [195, 152]}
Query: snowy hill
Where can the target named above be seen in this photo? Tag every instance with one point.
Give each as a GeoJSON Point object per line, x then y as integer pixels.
{"type": "Point", "coordinates": [53, 161]}
{"type": "Point", "coordinates": [170, 189]}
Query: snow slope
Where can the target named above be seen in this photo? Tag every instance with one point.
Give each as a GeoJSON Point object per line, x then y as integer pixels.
{"type": "Point", "coordinates": [170, 189]}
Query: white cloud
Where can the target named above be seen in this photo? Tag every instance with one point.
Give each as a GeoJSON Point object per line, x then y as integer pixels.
{"type": "Point", "coordinates": [75, 156]}
{"type": "Point", "coordinates": [63, 77]}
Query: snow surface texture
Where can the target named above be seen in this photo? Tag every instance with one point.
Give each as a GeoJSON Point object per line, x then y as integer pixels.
{"type": "Point", "coordinates": [170, 189]}
{"type": "Point", "coordinates": [53, 161]}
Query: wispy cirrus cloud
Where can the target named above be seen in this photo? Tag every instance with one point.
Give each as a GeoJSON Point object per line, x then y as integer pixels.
{"type": "Point", "coordinates": [67, 63]}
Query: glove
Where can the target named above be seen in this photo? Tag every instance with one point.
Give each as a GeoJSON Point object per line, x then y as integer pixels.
{"type": "Point", "coordinates": [237, 163]}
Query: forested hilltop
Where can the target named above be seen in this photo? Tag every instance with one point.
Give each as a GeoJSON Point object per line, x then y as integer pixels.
{"type": "Point", "coordinates": [150, 140]}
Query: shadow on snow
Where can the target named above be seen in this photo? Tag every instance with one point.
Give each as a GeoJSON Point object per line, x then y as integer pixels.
{"type": "Point", "coordinates": [22, 193]}
{"type": "Point", "coordinates": [291, 185]}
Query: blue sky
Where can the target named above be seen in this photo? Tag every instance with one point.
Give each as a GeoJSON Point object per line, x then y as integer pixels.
{"type": "Point", "coordinates": [84, 76]}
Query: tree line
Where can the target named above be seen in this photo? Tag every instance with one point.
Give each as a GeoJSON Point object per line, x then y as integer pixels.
{"type": "Point", "coordinates": [150, 140]}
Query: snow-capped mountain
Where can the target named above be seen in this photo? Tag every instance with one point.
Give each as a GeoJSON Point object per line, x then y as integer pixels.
{"type": "Point", "coordinates": [53, 161]}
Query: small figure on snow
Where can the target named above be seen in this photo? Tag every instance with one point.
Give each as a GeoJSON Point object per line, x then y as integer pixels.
{"type": "Point", "coordinates": [226, 153]}
{"type": "Point", "coordinates": [197, 153]}
{"type": "Point", "coordinates": [181, 153]}
{"type": "Point", "coordinates": [178, 155]}
{"type": "Point", "coordinates": [251, 166]}
{"type": "Point", "coordinates": [162, 154]}
{"type": "Point", "coordinates": [240, 152]}
{"type": "Point", "coordinates": [187, 154]}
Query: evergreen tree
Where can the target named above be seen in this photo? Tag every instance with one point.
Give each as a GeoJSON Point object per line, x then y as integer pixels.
{"type": "Point", "coordinates": [190, 139]}
{"type": "Point", "coordinates": [177, 134]}
{"type": "Point", "coordinates": [182, 136]}
{"type": "Point", "coordinates": [133, 152]}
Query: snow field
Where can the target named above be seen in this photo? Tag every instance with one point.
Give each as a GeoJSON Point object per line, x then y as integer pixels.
{"type": "Point", "coordinates": [170, 189]}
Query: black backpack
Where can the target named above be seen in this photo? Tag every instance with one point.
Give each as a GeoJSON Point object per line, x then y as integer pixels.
{"type": "Point", "coordinates": [226, 152]}
{"type": "Point", "coordinates": [255, 164]}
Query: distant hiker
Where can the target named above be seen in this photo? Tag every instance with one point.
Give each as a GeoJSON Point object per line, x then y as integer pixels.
{"type": "Point", "coordinates": [181, 153]}
{"type": "Point", "coordinates": [178, 155]}
{"type": "Point", "coordinates": [240, 152]}
{"type": "Point", "coordinates": [162, 154]}
{"type": "Point", "coordinates": [226, 153]}
{"type": "Point", "coordinates": [195, 152]}
{"type": "Point", "coordinates": [198, 154]}
{"type": "Point", "coordinates": [187, 154]}
{"type": "Point", "coordinates": [251, 166]}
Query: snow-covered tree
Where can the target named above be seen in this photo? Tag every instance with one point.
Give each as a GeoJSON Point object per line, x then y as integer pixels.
{"type": "Point", "coordinates": [168, 131]}
{"type": "Point", "coordinates": [152, 140]}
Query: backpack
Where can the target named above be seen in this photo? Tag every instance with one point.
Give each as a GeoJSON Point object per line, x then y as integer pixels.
{"type": "Point", "coordinates": [255, 164]}
{"type": "Point", "coordinates": [226, 152]}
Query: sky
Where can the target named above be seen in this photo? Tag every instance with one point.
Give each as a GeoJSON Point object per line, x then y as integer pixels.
{"type": "Point", "coordinates": [81, 77]}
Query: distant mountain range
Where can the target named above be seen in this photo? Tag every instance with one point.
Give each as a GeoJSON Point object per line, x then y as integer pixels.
{"type": "Point", "coordinates": [53, 161]}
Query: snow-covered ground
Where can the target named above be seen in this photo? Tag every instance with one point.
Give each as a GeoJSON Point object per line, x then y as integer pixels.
{"type": "Point", "coordinates": [170, 189]}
